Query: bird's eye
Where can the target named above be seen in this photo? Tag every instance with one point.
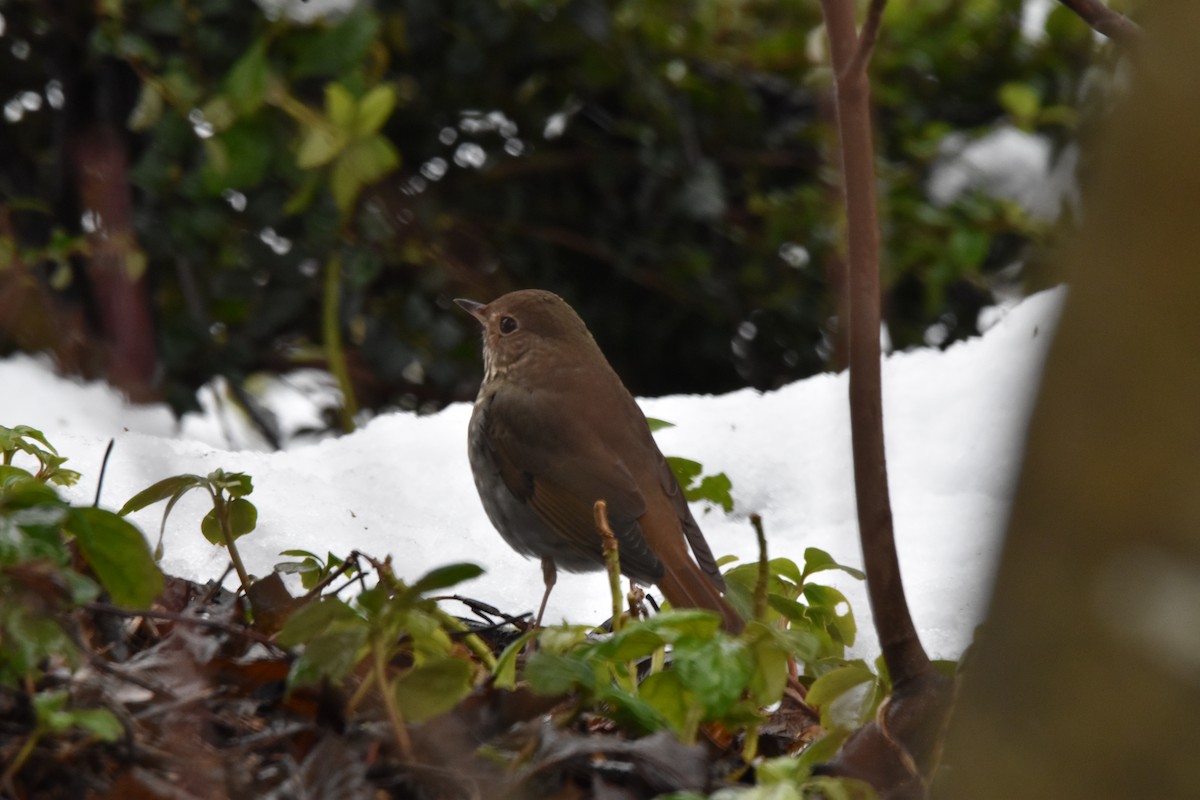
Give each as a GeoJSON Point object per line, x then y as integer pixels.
{"type": "Point", "coordinates": [508, 325]}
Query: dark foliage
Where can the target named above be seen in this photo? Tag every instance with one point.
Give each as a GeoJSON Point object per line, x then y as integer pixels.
{"type": "Point", "coordinates": [665, 167]}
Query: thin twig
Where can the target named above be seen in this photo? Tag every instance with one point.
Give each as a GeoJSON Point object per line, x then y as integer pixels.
{"type": "Point", "coordinates": [215, 587]}
{"type": "Point", "coordinates": [483, 610]}
{"type": "Point", "coordinates": [331, 331]}
{"type": "Point", "coordinates": [399, 730]}
{"type": "Point", "coordinates": [1105, 21]}
{"type": "Point", "coordinates": [103, 468]}
{"type": "Point", "coordinates": [867, 37]}
{"type": "Point", "coordinates": [764, 569]}
{"type": "Point", "coordinates": [171, 616]}
{"type": "Point", "coordinates": [350, 562]}
{"type": "Point", "coordinates": [612, 561]}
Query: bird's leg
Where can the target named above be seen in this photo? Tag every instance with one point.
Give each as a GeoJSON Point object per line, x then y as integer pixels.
{"type": "Point", "coordinates": [549, 577]}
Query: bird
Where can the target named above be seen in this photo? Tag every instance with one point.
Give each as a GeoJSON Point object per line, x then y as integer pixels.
{"type": "Point", "coordinates": [552, 431]}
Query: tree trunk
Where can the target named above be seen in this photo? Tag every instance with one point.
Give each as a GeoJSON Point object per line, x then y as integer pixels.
{"type": "Point", "coordinates": [1086, 681]}
{"type": "Point", "coordinates": [116, 266]}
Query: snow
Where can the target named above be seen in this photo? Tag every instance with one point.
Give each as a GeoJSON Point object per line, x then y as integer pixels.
{"type": "Point", "coordinates": [954, 422]}
{"type": "Point", "coordinates": [1007, 163]}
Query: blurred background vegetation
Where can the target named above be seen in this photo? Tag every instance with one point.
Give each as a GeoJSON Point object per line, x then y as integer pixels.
{"type": "Point", "coordinates": [202, 188]}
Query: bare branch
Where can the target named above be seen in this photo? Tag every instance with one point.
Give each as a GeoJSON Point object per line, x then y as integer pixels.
{"type": "Point", "coordinates": [1104, 20]}
{"type": "Point", "coordinates": [868, 36]}
{"type": "Point", "coordinates": [898, 638]}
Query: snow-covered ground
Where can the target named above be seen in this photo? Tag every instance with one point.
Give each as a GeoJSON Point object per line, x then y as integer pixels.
{"type": "Point", "coordinates": [955, 424]}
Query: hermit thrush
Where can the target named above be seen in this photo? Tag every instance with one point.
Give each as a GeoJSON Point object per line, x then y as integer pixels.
{"type": "Point", "coordinates": [555, 430]}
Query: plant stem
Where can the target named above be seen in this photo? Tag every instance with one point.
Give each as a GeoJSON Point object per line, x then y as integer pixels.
{"type": "Point", "coordinates": [403, 741]}
{"type": "Point", "coordinates": [331, 333]}
{"type": "Point", "coordinates": [691, 724]}
{"type": "Point", "coordinates": [750, 746]}
{"type": "Point", "coordinates": [21, 757]}
{"type": "Point", "coordinates": [898, 639]}
{"type": "Point", "coordinates": [222, 508]}
{"type": "Point", "coordinates": [612, 562]}
{"type": "Point", "coordinates": [764, 569]}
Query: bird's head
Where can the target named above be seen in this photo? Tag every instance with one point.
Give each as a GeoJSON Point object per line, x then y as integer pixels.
{"type": "Point", "coordinates": [531, 323]}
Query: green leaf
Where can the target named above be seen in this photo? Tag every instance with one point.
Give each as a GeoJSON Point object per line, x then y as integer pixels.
{"type": "Point", "coordinates": [446, 576]}
{"type": "Point", "coordinates": [161, 491]}
{"type": "Point", "coordinates": [679, 623]}
{"type": "Point", "coordinates": [562, 638]}
{"type": "Point", "coordinates": [667, 695]}
{"type": "Point", "coordinates": [714, 489]}
{"type": "Point", "coordinates": [50, 702]}
{"type": "Point", "coordinates": [823, 605]}
{"type": "Point", "coordinates": [506, 665]}
{"type": "Point", "coordinates": [211, 528]}
{"type": "Point", "coordinates": [631, 643]}
{"type": "Point", "coordinates": [821, 750]}
{"type": "Point", "coordinates": [786, 568]}
{"type": "Point", "coordinates": [716, 669]}
{"type": "Point", "coordinates": [553, 674]}
{"type": "Point", "coordinates": [246, 82]}
{"type": "Point", "coordinates": [147, 110]}
{"type": "Point", "coordinates": [799, 642]}
{"type": "Point", "coordinates": [1021, 101]}
{"type": "Point", "coordinates": [770, 655]}
{"type": "Point", "coordinates": [10, 437]}
{"type": "Point", "coordinates": [321, 51]}
{"type": "Point", "coordinates": [686, 471]}
{"type": "Point", "coordinates": [118, 554]}
{"type": "Point", "coordinates": [840, 788]}
{"type": "Point", "coordinates": [429, 637]}
{"type": "Point", "coordinates": [346, 185]}
{"type": "Point", "coordinates": [832, 685]}
{"type": "Point", "coordinates": [28, 639]}
{"type": "Point", "coordinates": [631, 712]}
{"type": "Point", "coordinates": [315, 618]}
{"type": "Point", "coordinates": [658, 424]}
{"type": "Point", "coordinates": [968, 247]}
{"type": "Point", "coordinates": [433, 688]}
{"type": "Point", "coordinates": [19, 489]}
{"type": "Point", "coordinates": [236, 484]}
{"type": "Point", "coordinates": [219, 113]}
{"type": "Point", "coordinates": [100, 722]}
{"type": "Point", "coordinates": [784, 770]}
{"type": "Point", "coordinates": [304, 567]}
{"type": "Point", "coordinates": [374, 110]}
{"type": "Point", "coordinates": [81, 588]}
{"type": "Point", "coordinates": [361, 164]}
{"type": "Point", "coordinates": [817, 560]}
{"type": "Point", "coordinates": [333, 654]}
{"type": "Point", "coordinates": [373, 600]}
{"type": "Point", "coordinates": [243, 517]}
{"type": "Point", "coordinates": [779, 777]}
{"type": "Point", "coordinates": [340, 107]}
{"type": "Point", "coordinates": [320, 144]}
{"type": "Point", "coordinates": [301, 553]}
{"type": "Point", "coordinates": [216, 163]}
{"type": "Point", "coordinates": [247, 152]}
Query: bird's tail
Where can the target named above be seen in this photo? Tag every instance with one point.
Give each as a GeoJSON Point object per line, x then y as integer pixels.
{"type": "Point", "coordinates": [685, 586]}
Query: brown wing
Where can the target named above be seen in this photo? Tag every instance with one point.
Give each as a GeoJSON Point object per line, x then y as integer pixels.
{"type": "Point", "coordinates": [560, 471]}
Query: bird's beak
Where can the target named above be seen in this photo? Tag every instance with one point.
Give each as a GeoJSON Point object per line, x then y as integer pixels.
{"type": "Point", "coordinates": [473, 308]}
